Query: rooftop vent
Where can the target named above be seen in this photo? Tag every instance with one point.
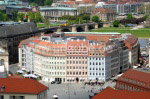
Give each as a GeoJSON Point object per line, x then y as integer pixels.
{"type": "Point", "coordinates": [2, 88]}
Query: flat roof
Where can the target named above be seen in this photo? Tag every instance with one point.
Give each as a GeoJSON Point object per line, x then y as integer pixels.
{"type": "Point", "coordinates": [57, 8]}
{"type": "Point", "coordinates": [16, 6]}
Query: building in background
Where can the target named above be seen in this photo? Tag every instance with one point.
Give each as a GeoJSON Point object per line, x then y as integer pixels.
{"type": "Point", "coordinates": [120, 8]}
{"type": "Point", "coordinates": [75, 57]}
{"type": "Point", "coordinates": [4, 60]}
{"type": "Point", "coordinates": [23, 9]}
{"type": "Point", "coordinates": [54, 14]}
{"type": "Point", "coordinates": [104, 14]}
{"type": "Point", "coordinates": [11, 33]}
{"type": "Point", "coordinates": [22, 88]}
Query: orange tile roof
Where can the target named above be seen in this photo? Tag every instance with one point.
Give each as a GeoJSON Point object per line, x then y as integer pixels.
{"type": "Point", "coordinates": [110, 93]}
{"type": "Point", "coordinates": [21, 86]}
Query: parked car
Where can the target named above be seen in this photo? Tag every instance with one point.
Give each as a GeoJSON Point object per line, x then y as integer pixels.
{"type": "Point", "coordinates": [53, 82]}
{"type": "Point", "coordinates": [58, 82]}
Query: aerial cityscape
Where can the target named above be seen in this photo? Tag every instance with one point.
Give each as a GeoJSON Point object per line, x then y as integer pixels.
{"type": "Point", "coordinates": [74, 49]}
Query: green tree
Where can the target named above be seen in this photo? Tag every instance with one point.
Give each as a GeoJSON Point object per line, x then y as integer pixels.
{"type": "Point", "coordinates": [14, 15]}
{"type": "Point", "coordinates": [130, 16]}
{"type": "Point", "coordinates": [21, 17]}
{"type": "Point", "coordinates": [38, 17]}
{"type": "Point", "coordinates": [86, 17]}
{"type": "Point", "coordinates": [31, 16]}
{"type": "Point", "coordinates": [48, 2]}
{"type": "Point", "coordinates": [3, 16]}
{"type": "Point", "coordinates": [95, 19]}
{"type": "Point", "coordinates": [116, 23]}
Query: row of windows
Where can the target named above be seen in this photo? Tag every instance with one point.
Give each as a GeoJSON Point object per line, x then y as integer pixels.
{"type": "Point", "coordinates": [76, 57]}
{"type": "Point", "coordinates": [55, 73]}
{"type": "Point", "coordinates": [77, 53]}
{"type": "Point", "coordinates": [74, 47]}
{"type": "Point", "coordinates": [77, 73]}
{"type": "Point", "coordinates": [96, 68]}
{"type": "Point", "coordinates": [54, 62]}
{"type": "Point", "coordinates": [96, 54]}
{"type": "Point", "coordinates": [56, 67]}
{"type": "Point", "coordinates": [55, 58]}
{"type": "Point", "coordinates": [97, 74]}
{"type": "Point", "coordinates": [76, 67]}
{"type": "Point", "coordinates": [133, 81]}
{"type": "Point", "coordinates": [76, 62]}
{"type": "Point", "coordinates": [100, 58]}
{"type": "Point", "coordinates": [96, 63]}
{"type": "Point", "coordinates": [126, 87]}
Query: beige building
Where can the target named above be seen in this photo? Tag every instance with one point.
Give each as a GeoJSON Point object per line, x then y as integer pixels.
{"type": "Point", "coordinates": [22, 88]}
{"type": "Point", "coordinates": [104, 14]}
{"type": "Point", "coordinates": [4, 60]}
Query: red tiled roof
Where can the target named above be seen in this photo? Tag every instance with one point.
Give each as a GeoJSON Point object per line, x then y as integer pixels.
{"type": "Point", "coordinates": [138, 76]}
{"type": "Point", "coordinates": [71, 2]}
{"type": "Point", "coordinates": [110, 93]}
{"type": "Point", "coordinates": [21, 86]}
{"type": "Point", "coordinates": [130, 41]}
{"type": "Point", "coordinates": [102, 10]}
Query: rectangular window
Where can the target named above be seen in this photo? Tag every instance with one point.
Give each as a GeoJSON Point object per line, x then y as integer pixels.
{"type": "Point", "coordinates": [1, 97]}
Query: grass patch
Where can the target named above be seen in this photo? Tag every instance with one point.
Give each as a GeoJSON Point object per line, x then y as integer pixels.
{"type": "Point", "coordinates": [145, 32]}
{"type": "Point", "coordinates": [43, 25]}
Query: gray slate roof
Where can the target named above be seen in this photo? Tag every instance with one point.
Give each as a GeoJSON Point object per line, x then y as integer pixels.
{"type": "Point", "coordinates": [18, 29]}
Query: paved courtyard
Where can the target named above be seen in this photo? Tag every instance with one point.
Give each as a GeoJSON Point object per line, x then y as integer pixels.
{"type": "Point", "coordinates": [74, 90]}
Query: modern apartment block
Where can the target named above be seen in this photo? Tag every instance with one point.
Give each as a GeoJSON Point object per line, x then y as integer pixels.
{"type": "Point", "coordinates": [76, 57]}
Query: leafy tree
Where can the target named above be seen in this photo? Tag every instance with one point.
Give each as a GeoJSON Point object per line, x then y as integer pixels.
{"type": "Point", "coordinates": [35, 16]}
{"type": "Point", "coordinates": [85, 17]}
{"type": "Point", "coordinates": [31, 16]}
{"type": "Point", "coordinates": [21, 17]}
{"type": "Point", "coordinates": [48, 2]}
{"type": "Point", "coordinates": [130, 16]}
{"type": "Point", "coordinates": [14, 15]}
{"type": "Point", "coordinates": [3, 16]}
{"type": "Point", "coordinates": [38, 17]}
{"type": "Point", "coordinates": [116, 23]}
{"type": "Point", "coordinates": [95, 19]}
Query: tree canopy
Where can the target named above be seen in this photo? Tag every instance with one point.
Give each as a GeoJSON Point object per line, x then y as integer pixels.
{"type": "Point", "coordinates": [3, 16]}
{"type": "Point", "coordinates": [95, 19]}
{"type": "Point", "coordinates": [130, 16]}
{"type": "Point", "coordinates": [116, 23]}
{"type": "Point", "coordinates": [41, 2]}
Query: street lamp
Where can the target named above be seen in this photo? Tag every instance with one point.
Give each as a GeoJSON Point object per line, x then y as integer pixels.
{"type": "Point", "coordinates": [68, 89]}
